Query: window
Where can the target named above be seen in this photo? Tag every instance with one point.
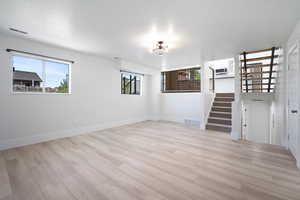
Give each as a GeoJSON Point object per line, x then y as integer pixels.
{"type": "Point", "coordinates": [130, 83]}
{"type": "Point", "coordinates": [36, 75]}
{"type": "Point", "coordinates": [184, 80]}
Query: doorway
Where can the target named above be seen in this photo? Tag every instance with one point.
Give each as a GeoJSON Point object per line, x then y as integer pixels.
{"type": "Point", "coordinates": [293, 100]}
{"type": "Point", "coordinates": [256, 121]}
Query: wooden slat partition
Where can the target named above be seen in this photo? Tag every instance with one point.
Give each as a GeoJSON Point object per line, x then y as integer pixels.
{"type": "Point", "coordinates": [259, 51]}
{"type": "Point", "coordinates": [245, 67]}
{"type": "Point", "coordinates": [259, 89]}
{"type": "Point", "coordinates": [256, 75]}
{"type": "Point", "coordinates": [260, 58]}
{"type": "Point", "coordinates": [263, 72]}
{"type": "Point", "coordinates": [271, 68]}
{"type": "Point", "coordinates": [258, 79]}
{"type": "Point", "coordinates": [250, 84]}
{"type": "Point", "coordinates": [261, 66]}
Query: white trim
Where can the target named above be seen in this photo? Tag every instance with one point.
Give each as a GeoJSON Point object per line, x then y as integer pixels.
{"type": "Point", "coordinates": [34, 139]}
{"type": "Point", "coordinates": [293, 48]}
{"type": "Point", "coordinates": [203, 125]}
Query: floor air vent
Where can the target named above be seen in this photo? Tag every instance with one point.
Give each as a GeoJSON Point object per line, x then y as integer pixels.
{"type": "Point", "coordinates": [190, 122]}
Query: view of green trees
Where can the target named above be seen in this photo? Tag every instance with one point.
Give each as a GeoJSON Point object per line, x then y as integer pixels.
{"type": "Point", "coordinates": [197, 74]}
{"type": "Point", "coordinates": [63, 87]}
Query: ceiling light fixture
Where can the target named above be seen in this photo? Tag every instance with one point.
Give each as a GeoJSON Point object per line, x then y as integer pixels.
{"type": "Point", "coordinates": [18, 31]}
{"type": "Point", "coordinates": [160, 49]}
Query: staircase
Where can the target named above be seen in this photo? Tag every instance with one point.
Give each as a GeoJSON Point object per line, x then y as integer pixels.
{"type": "Point", "coordinates": [220, 114]}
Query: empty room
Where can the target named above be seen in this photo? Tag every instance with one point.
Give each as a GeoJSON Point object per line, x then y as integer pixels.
{"type": "Point", "coordinates": [150, 100]}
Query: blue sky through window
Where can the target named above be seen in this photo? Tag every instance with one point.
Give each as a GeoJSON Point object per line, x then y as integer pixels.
{"type": "Point", "coordinates": [55, 72]}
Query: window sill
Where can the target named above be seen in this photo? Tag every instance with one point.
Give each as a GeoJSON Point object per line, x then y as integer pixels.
{"type": "Point", "coordinates": [131, 94]}
{"type": "Point", "coordinates": [181, 91]}
{"type": "Point", "coordinates": [38, 93]}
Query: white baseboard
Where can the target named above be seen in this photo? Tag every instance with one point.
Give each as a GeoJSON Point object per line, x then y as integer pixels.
{"type": "Point", "coordinates": [154, 118]}
{"type": "Point", "coordinates": [34, 139]}
{"type": "Point", "coordinates": [235, 135]}
{"type": "Point", "coordinates": [181, 120]}
{"type": "Point", "coordinates": [172, 119]}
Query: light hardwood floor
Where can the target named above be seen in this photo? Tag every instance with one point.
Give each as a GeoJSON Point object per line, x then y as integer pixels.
{"type": "Point", "coordinates": [151, 161]}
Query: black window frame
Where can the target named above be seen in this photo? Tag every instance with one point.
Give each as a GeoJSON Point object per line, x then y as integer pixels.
{"type": "Point", "coordinates": [133, 87]}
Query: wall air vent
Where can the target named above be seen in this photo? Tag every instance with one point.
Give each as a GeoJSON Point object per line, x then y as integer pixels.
{"type": "Point", "coordinates": [221, 71]}
{"type": "Point", "coordinates": [192, 122]}
{"type": "Point", "coordinates": [18, 31]}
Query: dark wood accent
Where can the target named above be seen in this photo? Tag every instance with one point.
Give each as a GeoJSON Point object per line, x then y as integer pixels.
{"type": "Point", "coordinates": [264, 72]}
{"type": "Point", "coordinates": [221, 109]}
{"type": "Point", "coordinates": [219, 121]}
{"type": "Point", "coordinates": [259, 51]}
{"type": "Point", "coordinates": [180, 81]}
{"type": "Point", "coordinates": [218, 128]}
{"type": "Point", "coordinates": [213, 78]}
{"type": "Point", "coordinates": [256, 79]}
{"type": "Point", "coordinates": [258, 84]}
{"type": "Point", "coordinates": [231, 95]}
{"type": "Point", "coordinates": [180, 91]}
{"type": "Point", "coordinates": [241, 78]}
{"type": "Point", "coordinates": [224, 99]}
{"type": "Point", "coordinates": [271, 68]}
{"type": "Point", "coordinates": [219, 104]}
{"type": "Point", "coordinates": [259, 66]}
{"type": "Point", "coordinates": [220, 114]}
{"type": "Point", "coordinates": [245, 68]}
{"type": "Point", "coordinates": [260, 58]}
{"type": "Point", "coordinates": [260, 89]}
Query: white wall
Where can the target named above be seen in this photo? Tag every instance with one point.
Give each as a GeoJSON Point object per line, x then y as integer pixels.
{"type": "Point", "coordinates": [224, 85]}
{"type": "Point", "coordinates": [279, 134]}
{"type": "Point", "coordinates": [95, 102]}
{"type": "Point", "coordinates": [186, 106]}
{"type": "Point", "coordinates": [279, 105]}
{"type": "Point", "coordinates": [236, 130]}
{"type": "Point", "coordinates": [179, 107]}
{"type": "Point", "coordinates": [154, 97]}
{"type": "Point", "coordinates": [282, 97]}
{"type": "Point", "coordinates": [257, 120]}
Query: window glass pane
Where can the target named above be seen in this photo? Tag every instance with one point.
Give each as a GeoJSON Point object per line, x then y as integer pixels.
{"type": "Point", "coordinates": [125, 83]}
{"type": "Point", "coordinates": [38, 75]}
{"type": "Point", "coordinates": [130, 83]}
{"type": "Point", "coordinates": [56, 77]}
{"type": "Point", "coordinates": [27, 74]}
{"type": "Point", "coordinates": [197, 74]}
{"type": "Point", "coordinates": [183, 80]}
{"type": "Point", "coordinates": [138, 85]}
{"type": "Point", "coordinates": [133, 80]}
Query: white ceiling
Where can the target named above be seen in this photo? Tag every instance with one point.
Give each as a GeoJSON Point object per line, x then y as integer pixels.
{"type": "Point", "coordinates": [195, 29]}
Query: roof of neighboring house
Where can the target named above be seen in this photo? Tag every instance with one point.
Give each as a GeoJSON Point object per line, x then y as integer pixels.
{"type": "Point", "coordinates": [27, 76]}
